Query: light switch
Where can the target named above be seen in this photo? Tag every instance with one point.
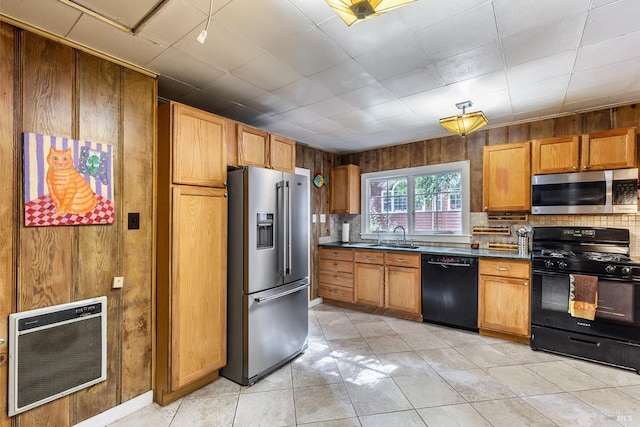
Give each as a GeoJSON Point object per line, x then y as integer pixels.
{"type": "Point", "coordinates": [314, 218]}
{"type": "Point", "coordinates": [323, 218]}
{"type": "Point", "coordinates": [118, 282]}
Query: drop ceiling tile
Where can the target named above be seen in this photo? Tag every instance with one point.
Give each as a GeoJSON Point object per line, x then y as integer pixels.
{"type": "Point", "coordinates": [461, 33]}
{"type": "Point", "coordinates": [243, 114]}
{"type": "Point", "coordinates": [267, 73]}
{"type": "Point", "coordinates": [366, 35]}
{"type": "Point", "coordinates": [265, 23]}
{"type": "Point", "coordinates": [169, 88]}
{"type": "Point", "coordinates": [545, 102]}
{"type": "Point", "coordinates": [548, 40]}
{"type": "Point", "coordinates": [388, 109]}
{"type": "Point", "coordinates": [421, 14]}
{"type": "Point", "coordinates": [344, 77]}
{"type": "Point", "coordinates": [303, 92]}
{"type": "Point", "coordinates": [123, 11]}
{"type": "Point", "coordinates": [310, 52]}
{"type": "Point", "coordinates": [172, 22]}
{"type": "Point", "coordinates": [367, 96]}
{"type": "Point", "coordinates": [625, 70]}
{"type": "Point", "coordinates": [50, 15]}
{"type": "Point", "coordinates": [586, 104]}
{"type": "Point", "coordinates": [230, 86]}
{"type": "Point", "coordinates": [317, 11]}
{"type": "Point", "coordinates": [323, 126]}
{"type": "Point", "coordinates": [518, 16]}
{"type": "Point", "coordinates": [400, 56]}
{"type": "Point", "coordinates": [330, 107]}
{"type": "Point", "coordinates": [554, 88]}
{"type": "Point", "coordinates": [473, 63]}
{"type": "Point", "coordinates": [615, 19]}
{"type": "Point", "coordinates": [609, 51]}
{"type": "Point", "coordinates": [418, 80]}
{"type": "Point", "coordinates": [175, 62]}
{"type": "Point", "coordinates": [213, 104]}
{"type": "Point", "coordinates": [351, 118]}
{"type": "Point", "coordinates": [537, 113]}
{"type": "Point", "coordinates": [299, 116]}
{"type": "Point", "coordinates": [105, 38]}
{"type": "Point", "coordinates": [605, 89]}
{"type": "Point", "coordinates": [271, 124]}
{"type": "Point", "coordinates": [542, 69]}
{"type": "Point", "coordinates": [270, 103]}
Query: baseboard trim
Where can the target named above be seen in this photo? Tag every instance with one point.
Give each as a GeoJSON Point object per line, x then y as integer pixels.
{"type": "Point", "coordinates": [315, 302]}
{"type": "Point", "coordinates": [117, 412]}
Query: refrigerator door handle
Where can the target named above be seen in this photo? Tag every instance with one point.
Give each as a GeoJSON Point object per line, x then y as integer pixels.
{"type": "Point", "coordinates": [282, 294]}
{"type": "Point", "coordinates": [288, 229]}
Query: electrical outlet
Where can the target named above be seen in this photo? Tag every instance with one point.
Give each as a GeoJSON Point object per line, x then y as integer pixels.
{"type": "Point", "coordinates": [118, 282]}
{"type": "Point", "coordinates": [133, 221]}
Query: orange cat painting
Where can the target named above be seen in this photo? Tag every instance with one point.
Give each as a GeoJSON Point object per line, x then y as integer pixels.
{"type": "Point", "coordinates": [68, 190]}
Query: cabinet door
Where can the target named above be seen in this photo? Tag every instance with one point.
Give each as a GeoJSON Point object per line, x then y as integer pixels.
{"type": "Point", "coordinates": [369, 284]}
{"type": "Point", "coordinates": [612, 149]}
{"type": "Point", "coordinates": [253, 146]}
{"type": "Point", "coordinates": [282, 153]}
{"type": "Point", "coordinates": [199, 147]}
{"type": "Point", "coordinates": [555, 155]}
{"type": "Point", "coordinates": [345, 189]}
{"type": "Point", "coordinates": [402, 289]}
{"type": "Point", "coordinates": [506, 174]}
{"type": "Point", "coordinates": [504, 305]}
{"type": "Point", "coordinates": [198, 284]}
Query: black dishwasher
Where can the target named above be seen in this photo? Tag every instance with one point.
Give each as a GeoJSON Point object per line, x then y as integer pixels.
{"type": "Point", "coordinates": [450, 290]}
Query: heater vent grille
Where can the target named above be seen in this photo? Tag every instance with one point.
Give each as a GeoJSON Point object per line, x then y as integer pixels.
{"type": "Point", "coordinates": [55, 351]}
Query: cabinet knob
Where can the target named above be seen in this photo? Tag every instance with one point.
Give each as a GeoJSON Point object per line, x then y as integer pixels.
{"type": "Point", "coordinates": [526, 283]}
{"type": "Point", "coordinates": [224, 184]}
{"type": "Point", "coordinates": [226, 194]}
{"type": "Point", "coordinates": [585, 167]}
{"type": "Point", "coordinates": [486, 208]}
{"type": "Point", "coordinates": [575, 168]}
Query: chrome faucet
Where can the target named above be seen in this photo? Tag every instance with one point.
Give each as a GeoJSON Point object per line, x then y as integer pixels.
{"type": "Point", "coordinates": [379, 242]}
{"type": "Point", "coordinates": [404, 234]}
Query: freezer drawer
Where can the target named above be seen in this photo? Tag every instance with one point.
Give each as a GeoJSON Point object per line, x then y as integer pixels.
{"type": "Point", "coordinates": [278, 326]}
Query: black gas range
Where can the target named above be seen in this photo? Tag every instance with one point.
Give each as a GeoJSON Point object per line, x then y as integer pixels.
{"type": "Point", "coordinates": [563, 256]}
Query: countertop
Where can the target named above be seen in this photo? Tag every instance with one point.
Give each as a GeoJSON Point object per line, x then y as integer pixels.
{"type": "Point", "coordinates": [438, 250]}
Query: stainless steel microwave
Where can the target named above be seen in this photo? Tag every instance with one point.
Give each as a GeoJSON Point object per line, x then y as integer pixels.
{"type": "Point", "coordinates": [595, 192]}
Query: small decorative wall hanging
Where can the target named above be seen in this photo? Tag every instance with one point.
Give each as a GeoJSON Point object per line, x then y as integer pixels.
{"type": "Point", "coordinates": [67, 181]}
{"type": "Point", "coordinates": [319, 180]}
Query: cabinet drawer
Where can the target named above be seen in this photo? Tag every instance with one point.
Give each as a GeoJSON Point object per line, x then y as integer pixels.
{"type": "Point", "coordinates": [369, 257]}
{"type": "Point", "coordinates": [504, 268]}
{"type": "Point", "coordinates": [402, 259]}
{"type": "Point", "coordinates": [340, 254]}
{"type": "Point", "coordinates": [334, 265]}
{"type": "Point", "coordinates": [336, 278]}
{"type": "Point", "coordinates": [336, 292]}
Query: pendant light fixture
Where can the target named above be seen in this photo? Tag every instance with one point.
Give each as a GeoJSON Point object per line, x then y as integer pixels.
{"type": "Point", "coordinates": [464, 123]}
{"type": "Point", "coordinates": [203, 34]}
{"type": "Point", "coordinates": [351, 11]}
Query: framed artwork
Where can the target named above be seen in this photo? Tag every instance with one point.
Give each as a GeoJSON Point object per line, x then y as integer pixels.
{"type": "Point", "coordinates": [67, 181]}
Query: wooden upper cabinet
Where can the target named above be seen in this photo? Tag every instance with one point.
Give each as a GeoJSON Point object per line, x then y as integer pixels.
{"type": "Point", "coordinates": [555, 155]}
{"type": "Point", "coordinates": [253, 146]}
{"type": "Point", "coordinates": [282, 153]}
{"type": "Point", "coordinates": [198, 144]}
{"type": "Point", "coordinates": [345, 189]}
{"type": "Point", "coordinates": [612, 149]}
{"type": "Point", "coordinates": [506, 174]}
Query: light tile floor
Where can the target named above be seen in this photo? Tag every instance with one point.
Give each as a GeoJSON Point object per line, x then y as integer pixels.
{"type": "Point", "coordinates": [371, 370]}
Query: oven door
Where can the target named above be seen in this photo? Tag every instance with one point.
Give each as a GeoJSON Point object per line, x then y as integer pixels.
{"type": "Point", "coordinates": [617, 315]}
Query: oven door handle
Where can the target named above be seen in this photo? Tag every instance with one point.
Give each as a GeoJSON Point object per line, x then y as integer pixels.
{"type": "Point", "coordinates": [633, 279]}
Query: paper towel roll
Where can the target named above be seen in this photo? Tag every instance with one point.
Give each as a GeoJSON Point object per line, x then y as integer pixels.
{"type": "Point", "coordinates": [345, 232]}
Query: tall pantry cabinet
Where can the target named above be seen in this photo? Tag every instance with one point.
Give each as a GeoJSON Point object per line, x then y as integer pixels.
{"type": "Point", "coordinates": [191, 250]}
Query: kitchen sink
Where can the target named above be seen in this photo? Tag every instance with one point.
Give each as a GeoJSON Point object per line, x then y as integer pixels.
{"type": "Point", "coordinates": [393, 245]}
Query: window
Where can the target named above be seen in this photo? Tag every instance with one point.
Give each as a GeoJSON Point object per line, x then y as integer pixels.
{"type": "Point", "coordinates": [430, 202]}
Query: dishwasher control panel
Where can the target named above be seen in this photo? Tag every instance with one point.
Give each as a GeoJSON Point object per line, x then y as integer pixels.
{"type": "Point", "coordinates": [450, 260]}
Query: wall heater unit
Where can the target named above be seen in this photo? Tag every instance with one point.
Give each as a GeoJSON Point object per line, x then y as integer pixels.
{"type": "Point", "coordinates": [55, 351]}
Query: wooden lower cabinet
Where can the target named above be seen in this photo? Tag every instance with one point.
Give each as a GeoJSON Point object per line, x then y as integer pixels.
{"type": "Point", "coordinates": [402, 290]}
{"type": "Point", "coordinates": [336, 274]}
{"type": "Point", "coordinates": [191, 291]}
{"type": "Point", "coordinates": [504, 299]}
{"type": "Point", "coordinates": [369, 284]}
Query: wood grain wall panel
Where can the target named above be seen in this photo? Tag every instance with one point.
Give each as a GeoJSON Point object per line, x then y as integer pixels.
{"type": "Point", "coordinates": [99, 246]}
{"type": "Point", "coordinates": [9, 165]}
{"type": "Point", "coordinates": [139, 106]}
{"type": "Point", "coordinates": [626, 116]}
{"type": "Point", "coordinates": [475, 143]}
{"type": "Point", "coordinates": [401, 154]}
{"type": "Point", "coordinates": [418, 153]}
{"type": "Point", "coordinates": [541, 129]}
{"type": "Point", "coordinates": [518, 133]}
{"type": "Point", "coordinates": [434, 151]}
{"type": "Point", "coordinates": [496, 136]}
{"type": "Point", "coordinates": [369, 161]}
{"type": "Point", "coordinates": [386, 159]}
{"type": "Point", "coordinates": [567, 125]}
{"type": "Point", "coordinates": [46, 253]}
{"type": "Point", "coordinates": [594, 121]}
{"type": "Point", "coordinates": [454, 148]}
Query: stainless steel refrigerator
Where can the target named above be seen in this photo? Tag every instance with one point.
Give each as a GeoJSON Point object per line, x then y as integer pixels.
{"type": "Point", "coordinates": [268, 277]}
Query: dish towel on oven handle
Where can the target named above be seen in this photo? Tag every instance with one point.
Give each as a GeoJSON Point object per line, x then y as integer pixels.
{"type": "Point", "coordinates": [583, 296]}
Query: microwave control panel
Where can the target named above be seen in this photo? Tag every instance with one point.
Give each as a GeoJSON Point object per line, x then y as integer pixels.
{"type": "Point", "coordinates": [625, 192]}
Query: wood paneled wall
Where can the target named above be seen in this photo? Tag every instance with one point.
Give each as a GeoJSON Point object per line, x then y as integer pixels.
{"type": "Point", "coordinates": [53, 89]}
{"type": "Point", "coordinates": [454, 148]}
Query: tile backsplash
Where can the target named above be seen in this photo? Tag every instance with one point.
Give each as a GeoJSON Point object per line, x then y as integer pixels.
{"type": "Point", "coordinates": [630, 222]}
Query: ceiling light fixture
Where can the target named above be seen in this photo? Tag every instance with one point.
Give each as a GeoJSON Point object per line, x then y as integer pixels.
{"type": "Point", "coordinates": [351, 11]}
{"type": "Point", "coordinates": [203, 34]}
{"type": "Point", "coordinates": [464, 123]}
